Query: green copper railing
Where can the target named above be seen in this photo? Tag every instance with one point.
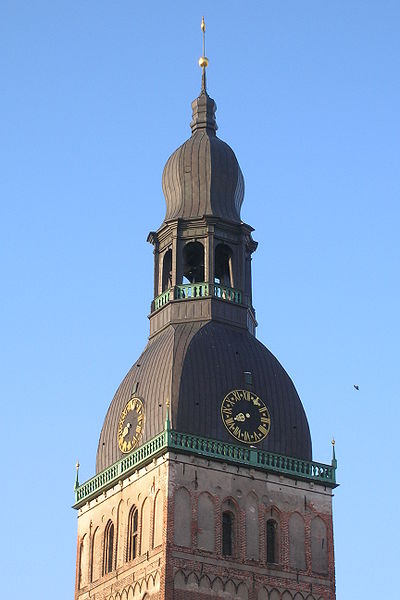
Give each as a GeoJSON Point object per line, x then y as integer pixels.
{"type": "Point", "coordinates": [198, 290]}
{"type": "Point", "coordinates": [162, 299]}
{"type": "Point", "coordinates": [205, 447]}
{"type": "Point", "coordinates": [252, 457]}
{"type": "Point", "coordinates": [192, 290]}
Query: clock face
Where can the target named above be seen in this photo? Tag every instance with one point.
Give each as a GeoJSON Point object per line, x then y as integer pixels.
{"type": "Point", "coordinates": [130, 425]}
{"type": "Point", "coordinates": [245, 416]}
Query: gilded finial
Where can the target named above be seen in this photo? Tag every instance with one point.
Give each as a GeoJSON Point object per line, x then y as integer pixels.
{"type": "Point", "coordinates": [77, 475]}
{"type": "Point", "coordinates": [334, 461]}
{"type": "Point", "coordinates": [167, 424]}
{"type": "Point", "coordinates": [203, 60]}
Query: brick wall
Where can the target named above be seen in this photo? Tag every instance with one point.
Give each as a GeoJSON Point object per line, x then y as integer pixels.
{"type": "Point", "coordinates": [173, 572]}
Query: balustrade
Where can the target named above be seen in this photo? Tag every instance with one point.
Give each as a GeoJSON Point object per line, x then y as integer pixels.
{"type": "Point", "coordinates": [188, 291]}
{"type": "Point", "coordinates": [174, 440]}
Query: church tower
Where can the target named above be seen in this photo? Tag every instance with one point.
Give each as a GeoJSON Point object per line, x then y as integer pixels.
{"type": "Point", "coordinates": [205, 485]}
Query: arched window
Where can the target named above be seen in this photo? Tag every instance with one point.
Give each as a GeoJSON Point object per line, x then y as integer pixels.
{"type": "Point", "coordinates": [319, 546]}
{"type": "Point", "coordinates": [145, 527]}
{"type": "Point", "coordinates": [223, 265]}
{"type": "Point", "coordinates": [228, 521]}
{"type": "Point", "coordinates": [182, 518]}
{"type": "Point", "coordinates": [167, 271]}
{"type": "Point", "coordinates": [193, 262]}
{"type": "Point", "coordinates": [80, 567]}
{"type": "Point", "coordinates": [252, 528]}
{"type": "Point", "coordinates": [297, 553]}
{"type": "Point", "coordinates": [83, 561]}
{"type": "Point", "coordinates": [95, 556]}
{"type": "Point", "coordinates": [108, 561]}
{"type": "Point", "coordinates": [272, 542]}
{"type": "Point", "coordinates": [158, 520]}
{"type": "Point", "coordinates": [132, 542]}
{"type": "Point", "coordinates": [206, 523]}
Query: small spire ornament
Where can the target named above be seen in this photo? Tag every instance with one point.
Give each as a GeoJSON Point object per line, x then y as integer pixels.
{"type": "Point", "coordinates": [77, 475]}
{"type": "Point", "coordinates": [167, 424]}
{"type": "Point", "coordinates": [203, 60]}
{"type": "Point", "coordinates": [334, 461]}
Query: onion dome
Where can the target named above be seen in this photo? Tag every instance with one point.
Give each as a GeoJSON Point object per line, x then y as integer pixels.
{"type": "Point", "coordinates": [203, 177]}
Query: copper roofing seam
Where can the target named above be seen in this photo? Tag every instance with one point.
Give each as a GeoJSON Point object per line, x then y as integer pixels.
{"type": "Point", "coordinates": [196, 191]}
{"type": "Point", "coordinates": [157, 367]}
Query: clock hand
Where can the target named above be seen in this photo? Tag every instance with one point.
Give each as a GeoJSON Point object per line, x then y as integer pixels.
{"type": "Point", "coordinates": [126, 430]}
{"type": "Point", "coordinates": [240, 417]}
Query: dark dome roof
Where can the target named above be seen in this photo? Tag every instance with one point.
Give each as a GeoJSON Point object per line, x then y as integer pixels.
{"type": "Point", "coordinates": [203, 177]}
{"type": "Point", "coordinates": [195, 365]}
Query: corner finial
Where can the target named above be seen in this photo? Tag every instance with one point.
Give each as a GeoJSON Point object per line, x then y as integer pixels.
{"type": "Point", "coordinates": [77, 475]}
{"type": "Point", "coordinates": [203, 60]}
{"type": "Point", "coordinates": [334, 461]}
{"type": "Point", "coordinates": [167, 421]}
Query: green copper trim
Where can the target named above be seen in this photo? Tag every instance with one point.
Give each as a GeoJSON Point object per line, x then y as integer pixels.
{"type": "Point", "coordinates": [192, 290]}
{"type": "Point", "coordinates": [207, 448]}
{"type": "Point", "coordinates": [198, 290]}
{"type": "Point", "coordinates": [162, 299]}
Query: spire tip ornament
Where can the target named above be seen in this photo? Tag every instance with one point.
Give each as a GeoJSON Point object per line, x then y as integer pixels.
{"type": "Point", "coordinates": [203, 60]}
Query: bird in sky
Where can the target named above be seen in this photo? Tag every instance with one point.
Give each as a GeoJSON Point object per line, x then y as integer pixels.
{"type": "Point", "coordinates": [356, 387]}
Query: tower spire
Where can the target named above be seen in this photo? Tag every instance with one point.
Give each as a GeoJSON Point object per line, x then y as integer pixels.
{"type": "Point", "coordinates": [203, 60]}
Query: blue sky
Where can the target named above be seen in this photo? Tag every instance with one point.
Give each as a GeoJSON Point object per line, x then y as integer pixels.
{"type": "Point", "coordinates": [95, 97]}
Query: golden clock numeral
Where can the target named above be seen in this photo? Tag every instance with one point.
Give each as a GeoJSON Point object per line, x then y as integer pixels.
{"type": "Point", "coordinates": [229, 421]}
{"type": "Point", "coordinates": [262, 429]}
{"type": "Point", "coordinates": [246, 436]}
{"type": "Point", "coordinates": [265, 420]}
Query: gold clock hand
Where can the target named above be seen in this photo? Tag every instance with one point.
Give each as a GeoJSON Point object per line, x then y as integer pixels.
{"type": "Point", "coordinates": [126, 430]}
{"type": "Point", "coordinates": [240, 417]}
